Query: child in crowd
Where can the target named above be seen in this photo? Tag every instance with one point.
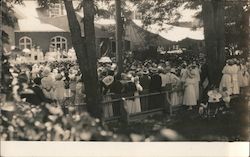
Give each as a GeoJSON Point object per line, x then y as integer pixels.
{"type": "Point", "coordinates": [213, 101]}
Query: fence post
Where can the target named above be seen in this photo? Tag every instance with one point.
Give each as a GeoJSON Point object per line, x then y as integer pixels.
{"type": "Point", "coordinates": [124, 112]}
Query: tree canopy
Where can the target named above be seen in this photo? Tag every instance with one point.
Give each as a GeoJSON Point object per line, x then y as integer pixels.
{"type": "Point", "coordinates": [7, 18]}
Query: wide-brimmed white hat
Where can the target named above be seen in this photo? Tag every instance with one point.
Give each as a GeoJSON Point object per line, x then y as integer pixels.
{"type": "Point", "coordinates": [108, 80]}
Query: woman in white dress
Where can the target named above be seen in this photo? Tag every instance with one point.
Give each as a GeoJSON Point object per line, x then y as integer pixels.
{"type": "Point", "coordinates": [183, 73]}
{"type": "Point", "coordinates": [189, 98]}
{"type": "Point", "coordinates": [174, 80]}
{"type": "Point", "coordinates": [226, 80]}
{"type": "Point", "coordinates": [197, 80]}
{"type": "Point", "coordinates": [234, 74]}
{"type": "Point", "coordinates": [137, 104]}
{"type": "Point", "coordinates": [59, 89]}
{"type": "Point", "coordinates": [47, 83]}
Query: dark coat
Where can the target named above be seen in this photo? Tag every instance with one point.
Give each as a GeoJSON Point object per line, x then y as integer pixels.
{"type": "Point", "coordinates": [37, 97]}
{"type": "Point", "coordinates": [155, 83]}
{"type": "Point", "coordinates": [145, 82]}
{"type": "Point", "coordinates": [129, 88]}
{"type": "Point", "coordinates": [116, 87]}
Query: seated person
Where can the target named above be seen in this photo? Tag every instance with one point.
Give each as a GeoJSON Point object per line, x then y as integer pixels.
{"type": "Point", "coordinates": [213, 101]}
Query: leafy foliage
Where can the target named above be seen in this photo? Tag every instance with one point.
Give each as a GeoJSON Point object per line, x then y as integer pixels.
{"type": "Point", "coordinates": [7, 17]}
{"type": "Point", "coordinates": [236, 24]}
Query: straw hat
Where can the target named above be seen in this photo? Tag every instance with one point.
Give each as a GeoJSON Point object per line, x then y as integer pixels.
{"type": "Point", "coordinates": [145, 72]}
{"type": "Point", "coordinates": [108, 80]}
{"type": "Point", "coordinates": [129, 76]}
{"type": "Point", "coordinates": [154, 70]}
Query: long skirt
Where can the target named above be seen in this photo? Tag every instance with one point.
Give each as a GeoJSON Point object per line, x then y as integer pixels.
{"type": "Point", "coordinates": [226, 82]}
{"type": "Point", "coordinates": [189, 97]}
{"type": "Point", "coordinates": [129, 106]}
{"type": "Point", "coordinates": [174, 99]}
{"type": "Point", "coordinates": [236, 88]}
{"type": "Point", "coordinates": [59, 94]}
{"type": "Point", "coordinates": [137, 104]}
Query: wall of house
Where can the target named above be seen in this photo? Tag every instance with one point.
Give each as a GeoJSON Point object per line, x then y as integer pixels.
{"type": "Point", "coordinates": [42, 39]}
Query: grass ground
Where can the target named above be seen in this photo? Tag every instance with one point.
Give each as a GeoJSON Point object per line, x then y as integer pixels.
{"type": "Point", "coordinates": [232, 126]}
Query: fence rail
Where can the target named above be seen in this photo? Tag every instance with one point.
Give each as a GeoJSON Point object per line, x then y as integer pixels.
{"type": "Point", "coordinates": [151, 103]}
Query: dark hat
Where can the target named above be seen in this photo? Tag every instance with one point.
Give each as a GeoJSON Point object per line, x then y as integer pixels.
{"type": "Point", "coordinates": [37, 80]}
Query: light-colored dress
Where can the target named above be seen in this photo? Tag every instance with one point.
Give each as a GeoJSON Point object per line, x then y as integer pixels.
{"type": "Point", "coordinates": [226, 80]}
{"type": "Point", "coordinates": [189, 97]}
{"type": "Point", "coordinates": [234, 74]}
{"type": "Point", "coordinates": [136, 107]}
{"type": "Point", "coordinates": [47, 85]}
{"type": "Point", "coordinates": [59, 90]}
{"type": "Point", "coordinates": [174, 99]}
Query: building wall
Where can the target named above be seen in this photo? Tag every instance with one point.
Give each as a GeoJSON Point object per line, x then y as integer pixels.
{"type": "Point", "coordinates": [42, 39]}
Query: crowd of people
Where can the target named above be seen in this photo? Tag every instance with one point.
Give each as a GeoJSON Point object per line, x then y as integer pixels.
{"type": "Point", "coordinates": [51, 95]}
{"type": "Point", "coordinates": [144, 85]}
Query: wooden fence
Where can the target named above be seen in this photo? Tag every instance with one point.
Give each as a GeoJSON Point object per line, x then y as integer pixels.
{"type": "Point", "coordinates": [151, 103]}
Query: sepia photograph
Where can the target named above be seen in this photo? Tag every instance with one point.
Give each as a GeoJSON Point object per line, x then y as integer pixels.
{"type": "Point", "coordinates": [125, 71]}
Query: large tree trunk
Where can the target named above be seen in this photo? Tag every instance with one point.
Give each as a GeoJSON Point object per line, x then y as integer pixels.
{"type": "Point", "coordinates": [85, 51]}
{"type": "Point", "coordinates": [91, 85]}
{"type": "Point", "coordinates": [213, 18]}
{"type": "Point", "coordinates": [118, 36]}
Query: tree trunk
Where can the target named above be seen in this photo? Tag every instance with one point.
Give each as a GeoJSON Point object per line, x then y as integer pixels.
{"type": "Point", "coordinates": [118, 36]}
{"type": "Point", "coordinates": [213, 18]}
{"type": "Point", "coordinates": [86, 60]}
{"type": "Point", "coordinates": [91, 85]}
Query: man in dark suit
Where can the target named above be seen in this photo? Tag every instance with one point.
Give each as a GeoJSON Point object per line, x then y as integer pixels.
{"type": "Point", "coordinates": [144, 82]}
{"type": "Point", "coordinates": [155, 101]}
{"type": "Point", "coordinates": [116, 88]}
